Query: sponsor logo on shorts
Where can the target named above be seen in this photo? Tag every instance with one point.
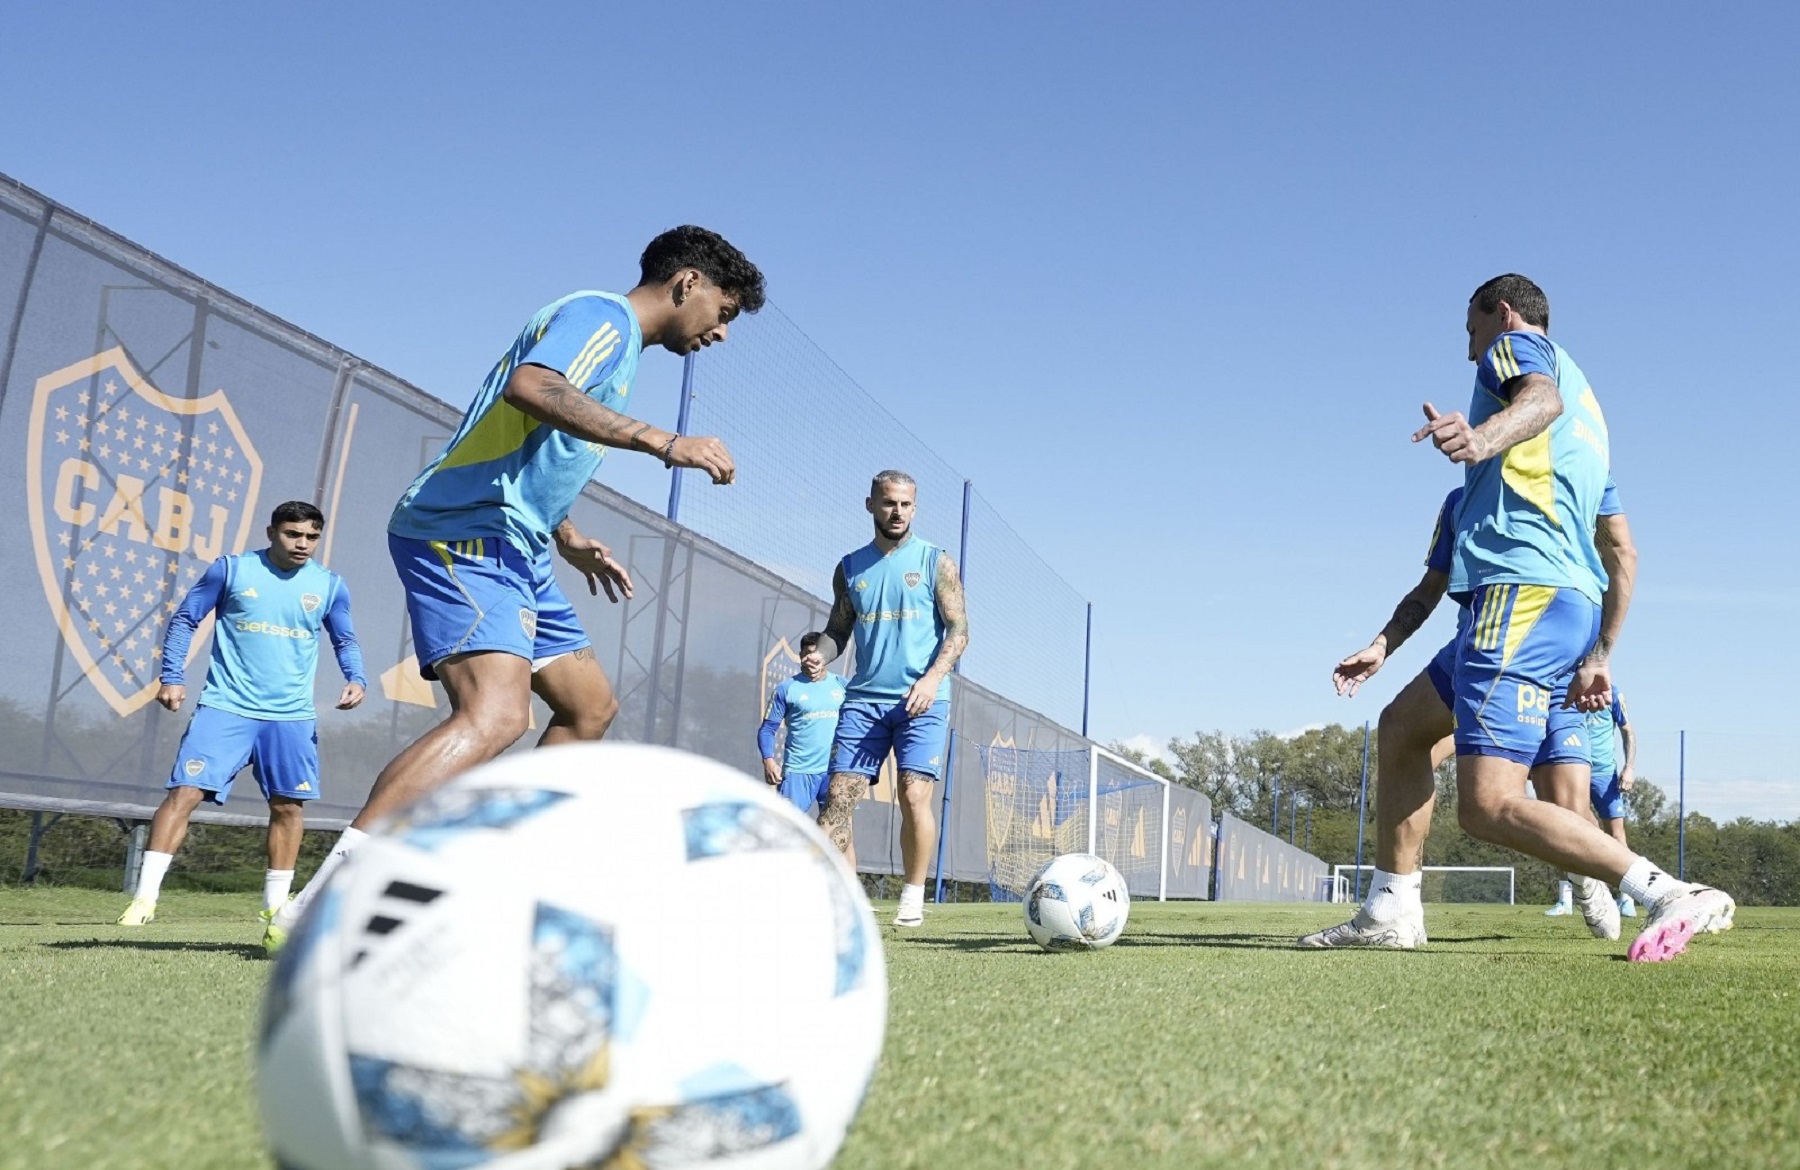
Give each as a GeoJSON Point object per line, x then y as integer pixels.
{"type": "Point", "coordinates": [912, 580]}
{"type": "Point", "coordinates": [1533, 704]}
{"type": "Point", "coordinates": [194, 767]}
{"type": "Point", "coordinates": [1572, 741]}
{"type": "Point", "coordinates": [303, 786]}
{"type": "Point", "coordinates": [528, 622]}
{"type": "Point", "coordinates": [310, 601]}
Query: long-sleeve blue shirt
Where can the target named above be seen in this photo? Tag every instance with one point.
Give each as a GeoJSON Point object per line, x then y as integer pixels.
{"type": "Point", "coordinates": [265, 648]}
{"type": "Point", "coordinates": [810, 710]}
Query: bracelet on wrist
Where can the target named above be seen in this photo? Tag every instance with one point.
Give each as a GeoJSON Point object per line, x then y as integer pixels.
{"type": "Point", "coordinates": [668, 451]}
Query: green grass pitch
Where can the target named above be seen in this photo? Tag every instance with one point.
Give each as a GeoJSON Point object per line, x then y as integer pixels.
{"type": "Point", "coordinates": [1200, 1039]}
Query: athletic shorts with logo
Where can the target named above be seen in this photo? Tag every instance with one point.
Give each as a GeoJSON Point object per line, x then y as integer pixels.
{"type": "Point", "coordinates": [1515, 658]}
{"type": "Point", "coordinates": [867, 730]}
{"type": "Point", "coordinates": [482, 594]}
{"type": "Point", "coordinates": [1566, 737]}
{"type": "Point", "coordinates": [218, 744]}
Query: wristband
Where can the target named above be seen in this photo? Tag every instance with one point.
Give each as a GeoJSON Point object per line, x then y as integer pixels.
{"type": "Point", "coordinates": [668, 451]}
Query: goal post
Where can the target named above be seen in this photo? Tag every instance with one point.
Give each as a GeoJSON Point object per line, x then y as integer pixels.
{"type": "Point", "coordinates": [1440, 883]}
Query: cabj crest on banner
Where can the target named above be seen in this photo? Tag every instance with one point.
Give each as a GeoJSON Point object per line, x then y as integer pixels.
{"type": "Point", "coordinates": [132, 493]}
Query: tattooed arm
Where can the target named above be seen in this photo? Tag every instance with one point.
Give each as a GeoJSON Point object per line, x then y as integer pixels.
{"type": "Point", "coordinates": [956, 637]}
{"type": "Point", "coordinates": [1592, 688]}
{"type": "Point", "coordinates": [545, 395]}
{"type": "Point", "coordinates": [1409, 615]}
{"type": "Point", "coordinates": [1534, 402]}
{"type": "Point", "coordinates": [835, 637]}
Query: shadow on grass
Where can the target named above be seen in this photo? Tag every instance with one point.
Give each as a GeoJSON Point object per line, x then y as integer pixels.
{"type": "Point", "coordinates": [242, 950]}
{"type": "Point", "coordinates": [1255, 942]}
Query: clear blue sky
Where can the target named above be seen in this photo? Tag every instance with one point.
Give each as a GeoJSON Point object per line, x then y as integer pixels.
{"type": "Point", "coordinates": [1168, 281]}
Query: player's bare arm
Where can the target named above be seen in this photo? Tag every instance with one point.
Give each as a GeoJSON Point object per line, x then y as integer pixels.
{"type": "Point", "coordinates": [842, 623]}
{"type": "Point", "coordinates": [1592, 688]}
{"type": "Point", "coordinates": [541, 393]}
{"type": "Point", "coordinates": [954, 614]}
{"type": "Point", "coordinates": [594, 560]}
{"type": "Point", "coordinates": [1350, 674]}
{"type": "Point", "coordinates": [1535, 402]}
{"type": "Point", "coordinates": [1628, 745]}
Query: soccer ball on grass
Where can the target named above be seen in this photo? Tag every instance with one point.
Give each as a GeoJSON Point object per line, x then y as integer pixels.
{"type": "Point", "coordinates": [1077, 902]}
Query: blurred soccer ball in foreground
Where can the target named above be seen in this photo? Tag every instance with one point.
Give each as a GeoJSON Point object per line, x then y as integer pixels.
{"type": "Point", "coordinates": [1077, 902]}
{"type": "Point", "coordinates": [587, 956]}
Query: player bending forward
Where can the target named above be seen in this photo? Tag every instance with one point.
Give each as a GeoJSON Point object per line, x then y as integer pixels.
{"type": "Point", "coordinates": [902, 600]}
{"type": "Point", "coordinates": [257, 706]}
{"type": "Point", "coordinates": [471, 538]}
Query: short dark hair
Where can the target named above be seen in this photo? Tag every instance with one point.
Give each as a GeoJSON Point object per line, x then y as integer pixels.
{"type": "Point", "coordinates": [694, 247]}
{"type": "Point", "coordinates": [809, 641]}
{"type": "Point", "coordinates": [1518, 291]}
{"type": "Point", "coordinates": [295, 510]}
{"type": "Point", "coordinates": [891, 476]}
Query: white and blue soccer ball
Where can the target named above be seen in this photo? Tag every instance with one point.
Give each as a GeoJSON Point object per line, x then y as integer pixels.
{"type": "Point", "coordinates": [586, 956]}
{"type": "Point", "coordinates": [1076, 902]}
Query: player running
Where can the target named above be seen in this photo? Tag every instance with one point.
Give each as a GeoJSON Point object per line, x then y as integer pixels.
{"type": "Point", "coordinates": [903, 601]}
{"type": "Point", "coordinates": [257, 706]}
{"type": "Point", "coordinates": [1525, 560]}
{"type": "Point", "coordinates": [807, 704]}
{"type": "Point", "coordinates": [471, 538]}
{"type": "Point", "coordinates": [1414, 734]}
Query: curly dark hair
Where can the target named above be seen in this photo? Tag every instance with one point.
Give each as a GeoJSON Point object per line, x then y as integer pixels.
{"type": "Point", "coordinates": [1518, 291]}
{"type": "Point", "coordinates": [695, 247]}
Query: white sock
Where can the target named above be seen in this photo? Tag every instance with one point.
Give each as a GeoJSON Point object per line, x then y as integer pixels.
{"type": "Point", "coordinates": [912, 895]}
{"type": "Point", "coordinates": [276, 884]}
{"type": "Point", "coordinates": [1391, 895]}
{"type": "Point", "coordinates": [1565, 892]}
{"type": "Point", "coordinates": [150, 874]}
{"type": "Point", "coordinates": [346, 845]}
{"type": "Point", "coordinates": [1647, 884]}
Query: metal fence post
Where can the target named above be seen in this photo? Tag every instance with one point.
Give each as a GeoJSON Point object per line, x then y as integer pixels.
{"type": "Point", "coordinates": [681, 426]}
{"type": "Point", "coordinates": [944, 814]}
{"type": "Point", "coordinates": [1681, 816]}
{"type": "Point", "coordinates": [1362, 805]}
{"type": "Point", "coordinates": [1087, 669]}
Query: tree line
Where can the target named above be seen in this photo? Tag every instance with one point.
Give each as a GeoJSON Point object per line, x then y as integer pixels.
{"type": "Point", "coordinates": [1306, 787]}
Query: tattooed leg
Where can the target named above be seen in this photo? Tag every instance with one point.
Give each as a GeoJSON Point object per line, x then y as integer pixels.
{"type": "Point", "coordinates": [840, 807]}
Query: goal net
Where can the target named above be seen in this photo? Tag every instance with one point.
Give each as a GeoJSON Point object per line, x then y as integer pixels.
{"type": "Point", "coordinates": [1439, 883]}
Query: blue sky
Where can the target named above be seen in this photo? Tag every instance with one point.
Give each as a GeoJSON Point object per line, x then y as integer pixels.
{"type": "Point", "coordinates": [1168, 281]}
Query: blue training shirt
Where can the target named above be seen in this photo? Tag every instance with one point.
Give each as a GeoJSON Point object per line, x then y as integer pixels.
{"type": "Point", "coordinates": [1602, 743]}
{"type": "Point", "coordinates": [265, 646]}
{"type": "Point", "coordinates": [810, 710]}
{"type": "Point", "coordinates": [1443, 537]}
{"type": "Point", "coordinates": [1527, 516]}
{"type": "Point", "coordinates": [506, 474]}
{"type": "Point", "coordinates": [898, 628]}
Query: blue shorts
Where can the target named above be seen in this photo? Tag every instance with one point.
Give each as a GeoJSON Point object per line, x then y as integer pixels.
{"type": "Point", "coordinates": [482, 594]}
{"type": "Point", "coordinates": [1515, 659]}
{"type": "Point", "coordinates": [805, 789]}
{"type": "Point", "coordinates": [218, 744]}
{"type": "Point", "coordinates": [1607, 797]}
{"type": "Point", "coordinates": [1565, 739]}
{"type": "Point", "coordinates": [867, 730]}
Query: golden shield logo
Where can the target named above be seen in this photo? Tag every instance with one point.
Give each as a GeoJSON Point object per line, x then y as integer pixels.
{"type": "Point", "coordinates": [310, 601]}
{"type": "Point", "coordinates": [193, 768]}
{"type": "Point", "coordinates": [132, 493]}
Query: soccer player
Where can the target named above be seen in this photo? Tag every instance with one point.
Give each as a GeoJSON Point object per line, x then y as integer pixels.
{"type": "Point", "coordinates": [1535, 451]}
{"type": "Point", "coordinates": [471, 538]}
{"type": "Point", "coordinates": [257, 706]}
{"type": "Point", "coordinates": [808, 705]}
{"type": "Point", "coordinates": [1414, 734]}
{"type": "Point", "coordinates": [902, 600]}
